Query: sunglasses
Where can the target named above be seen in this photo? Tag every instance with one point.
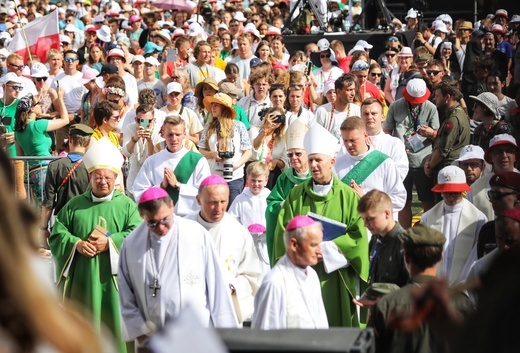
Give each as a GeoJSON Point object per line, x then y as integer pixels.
{"type": "Point", "coordinates": [18, 67]}
{"type": "Point", "coordinates": [16, 88]}
{"type": "Point", "coordinates": [2, 59]}
{"type": "Point", "coordinates": [393, 39]}
{"type": "Point", "coordinates": [323, 56]}
{"type": "Point", "coordinates": [291, 154]}
{"type": "Point", "coordinates": [164, 221]}
{"type": "Point", "coordinates": [174, 94]}
{"type": "Point", "coordinates": [175, 77]}
{"type": "Point", "coordinates": [434, 72]}
{"type": "Point", "coordinates": [373, 74]}
{"type": "Point", "coordinates": [115, 117]}
{"type": "Point", "coordinates": [389, 55]}
{"type": "Point", "coordinates": [498, 195]}
{"type": "Point", "coordinates": [40, 79]}
{"type": "Point", "coordinates": [474, 165]}
{"type": "Point", "coordinates": [70, 60]}
{"type": "Point", "coordinates": [114, 100]}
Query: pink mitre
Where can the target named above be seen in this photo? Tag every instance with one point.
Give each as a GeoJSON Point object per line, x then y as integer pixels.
{"type": "Point", "coordinates": [152, 193]}
{"type": "Point", "coordinates": [298, 222]}
{"type": "Point", "coordinates": [213, 180]}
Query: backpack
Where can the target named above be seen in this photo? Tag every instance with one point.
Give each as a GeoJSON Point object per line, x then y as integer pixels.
{"type": "Point", "coordinates": [302, 23]}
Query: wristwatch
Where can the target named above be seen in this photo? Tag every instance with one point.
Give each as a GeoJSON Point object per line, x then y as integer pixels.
{"type": "Point", "coordinates": [178, 186]}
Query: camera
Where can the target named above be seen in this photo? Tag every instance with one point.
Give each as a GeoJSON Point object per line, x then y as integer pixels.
{"type": "Point", "coordinates": [77, 117]}
{"type": "Point", "coordinates": [261, 113]}
{"type": "Point", "coordinates": [279, 119]}
{"type": "Point", "coordinates": [227, 173]}
{"type": "Point", "coordinates": [226, 154]}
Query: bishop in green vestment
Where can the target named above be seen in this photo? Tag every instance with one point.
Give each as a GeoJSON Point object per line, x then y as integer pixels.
{"type": "Point", "coordinates": [325, 195]}
{"type": "Point", "coordinates": [295, 175]}
{"type": "Point", "coordinates": [86, 238]}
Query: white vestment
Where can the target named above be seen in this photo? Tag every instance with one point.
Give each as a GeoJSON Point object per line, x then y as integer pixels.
{"type": "Point", "coordinates": [332, 121]}
{"type": "Point", "coordinates": [461, 225]}
{"type": "Point", "coordinates": [305, 116]}
{"type": "Point", "coordinates": [152, 174]}
{"type": "Point", "coordinates": [250, 209]}
{"type": "Point", "coordinates": [478, 196]}
{"type": "Point", "coordinates": [190, 276]}
{"type": "Point", "coordinates": [385, 178]}
{"type": "Point", "coordinates": [289, 297]}
{"type": "Point", "coordinates": [238, 259]}
{"type": "Point", "coordinates": [395, 149]}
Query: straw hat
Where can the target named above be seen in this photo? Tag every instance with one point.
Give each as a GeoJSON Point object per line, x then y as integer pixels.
{"type": "Point", "coordinates": [223, 99]}
{"type": "Point", "coordinates": [208, 81]}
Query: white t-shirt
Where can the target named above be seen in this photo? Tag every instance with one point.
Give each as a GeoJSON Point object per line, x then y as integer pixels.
{"type": "Point", "coordinates": [73, 90]}
{"type": "Point", "coordinates": [332, 122]}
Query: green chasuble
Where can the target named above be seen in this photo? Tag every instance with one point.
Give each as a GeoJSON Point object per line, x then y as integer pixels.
{"type": "Point", "coordinates": [339, 287]}
{"type": "Point", "coordinates": [284, 184]}
{"type": "Point", "coordinates": [89, 281]}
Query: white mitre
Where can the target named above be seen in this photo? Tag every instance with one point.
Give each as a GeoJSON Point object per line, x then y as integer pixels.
{"type": "Point", "coordinates": [320, 140]}
{"type": "Point", "coordinates": [103, 155]}
{"type": "Point", "coordinates": [295, 134]}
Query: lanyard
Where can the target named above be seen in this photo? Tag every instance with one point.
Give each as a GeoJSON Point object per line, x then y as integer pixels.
{"type": "Point", "coordinates": [414, 114]}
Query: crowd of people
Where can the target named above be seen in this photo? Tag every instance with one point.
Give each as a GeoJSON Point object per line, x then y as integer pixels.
{"type": "Point", "coordinates": [204, 165]}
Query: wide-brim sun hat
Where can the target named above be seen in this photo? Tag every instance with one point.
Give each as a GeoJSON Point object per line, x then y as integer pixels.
{"type": "Point", "coordinates": [451, 179]}
{"type": "Point", "coordinates": [116, 52]}
{"type": "Point", "coordinates": [416, 91]}
{"type": "Point", "coordinates": [490, 101]}
{"type": "Point", "coordinates": [469, 152]}
{"type": "Point", "coordinates": [209, 81]}
{"type": "Point", "coordinates": [223, 99]}
{"type": "Point", "coordinates": [104, 34]}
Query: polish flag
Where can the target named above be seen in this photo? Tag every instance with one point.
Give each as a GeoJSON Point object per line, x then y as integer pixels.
{"type": "Point", "coordinates": [42, 34]}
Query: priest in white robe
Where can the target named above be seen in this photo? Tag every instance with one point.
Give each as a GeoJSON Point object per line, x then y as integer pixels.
{"type": "Point", "coordinates": [167, 264]}
{"type": "Point", "coordinates": [233, 243]}
{"type": "Point", "coordinates": [175, 169]}
{"type": "Point", "coordinates": [364, 168]}
{"type": "Point", "coordinates": [459, 221]}
{"type": "Point", "coordinates": [290, 294]}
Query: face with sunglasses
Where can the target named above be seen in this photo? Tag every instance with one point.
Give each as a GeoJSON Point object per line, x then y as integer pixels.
{"type": "Point", "coordinates": [435, 73]}
{"type": "Point", "coordinates": [15, 66]}
{"type": "Point", "coordinates": [451, 198]}
{"type": "Point", "coordinates": [503, 198]}
{"type": "Point", "coordinates": [298, 159]}
{"type": "Point", "coordinates": [393, 42]}
{"type": "Point", "coordinates": [390, 57]}
{"type": "Point", "coordinates": [325, 57]}
{"type": "Point", "coordinates": [375, 76]}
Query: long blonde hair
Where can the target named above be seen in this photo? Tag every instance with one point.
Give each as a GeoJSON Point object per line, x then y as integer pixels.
{"type": "Point", "coordinates": [224, 126]}
{"type": "Point", "coordinates": [31, 313]}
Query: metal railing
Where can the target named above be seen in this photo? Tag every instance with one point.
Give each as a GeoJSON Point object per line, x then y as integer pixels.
{"type": "Point", "coordinates": [29, 166]}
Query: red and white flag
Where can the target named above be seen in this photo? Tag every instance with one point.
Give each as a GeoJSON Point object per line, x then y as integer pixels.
{"type": "Point", "coordinates": [42, 34]}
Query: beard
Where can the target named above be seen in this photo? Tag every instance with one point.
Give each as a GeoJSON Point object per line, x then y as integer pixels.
{"type": "Point", "coordinates": [443, 109]}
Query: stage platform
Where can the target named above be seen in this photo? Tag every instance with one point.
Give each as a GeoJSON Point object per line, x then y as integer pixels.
{"type": "Point", "coordinates": [378, 39]}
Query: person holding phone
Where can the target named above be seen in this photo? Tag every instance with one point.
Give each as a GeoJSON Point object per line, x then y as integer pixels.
{"type": "Point", "coordinates": [269, 146]}
{"type": "Point", "coordinates": [139, 141]}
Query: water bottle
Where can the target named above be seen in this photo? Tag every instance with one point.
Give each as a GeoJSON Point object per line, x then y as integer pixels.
{"type": "Point", "coordinates": [346, 24]}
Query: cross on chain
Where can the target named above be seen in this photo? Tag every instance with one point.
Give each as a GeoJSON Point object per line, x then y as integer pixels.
{"type": "Point", "coordinates": [154, 287]}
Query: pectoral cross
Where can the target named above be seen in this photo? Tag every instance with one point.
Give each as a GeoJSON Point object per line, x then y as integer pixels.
{"type": "Point", "coordinates": [154, 287]}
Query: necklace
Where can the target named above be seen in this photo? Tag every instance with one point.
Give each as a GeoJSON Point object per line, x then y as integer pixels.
{"type": "Point", "coordinates": [156, 286]}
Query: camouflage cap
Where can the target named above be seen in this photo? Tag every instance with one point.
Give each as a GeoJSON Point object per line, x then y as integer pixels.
{"type": "Point", "coordinates": [81, 130]}
{"type": "Point", "coordinates": [421, 235]}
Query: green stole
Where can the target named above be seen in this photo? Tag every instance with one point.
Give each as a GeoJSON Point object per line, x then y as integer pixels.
{"type": "Point", "coordinates": [183, 172]}
{"type": "Point", "coordinates": [365, 167]}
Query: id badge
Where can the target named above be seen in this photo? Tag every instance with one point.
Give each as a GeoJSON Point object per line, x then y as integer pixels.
{"type": "Point", "coordinates": [416, 142]}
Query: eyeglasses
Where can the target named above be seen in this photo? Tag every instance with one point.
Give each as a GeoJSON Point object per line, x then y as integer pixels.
{"type": "Point", "coordinates": [375, 74]}
{"type": "Point", "coordinates": [389, 55]}
{"type": "Point", "coordinates": [393, 39]}
{"type": "Point", "coordinates": [40, 79]}
{"type": "Point", "coordinates": [18, 67]}
{"type": "Point", "coordinates": [472, 165]}
{"type": "Point", "coordinates": [323, 56]}
{"type": "Point", "coordinates": [234, 25]}
{"type": "Point", "coordinates": [498, 195]}
{"type": "Point", "coordinates": [2, 59]}
{"type": "Point", "coordinates": [291, 154]}
{"type": "Point", "coordinates": [163, 221]}
{"type": "Point", "coordinates": [16, 88]}
{"type": "Point", "coordinates": [175, 77]}
{"type": "Point", "coordinates": [70, 60]}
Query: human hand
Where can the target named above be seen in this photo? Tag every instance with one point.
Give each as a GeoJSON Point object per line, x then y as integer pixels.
{"type": "Point", "coordinates": [357, 189]}
{"type": "Point", "coordinates": [169, 179]}
{"type": "Point", "coordinates": [419, 37]}
{"type": "Point", "coordinates": [8, 137]}
{"type": "Point", "coordinates": [98, 240]}
{"type": "Point", "coordinates": [86, 249]}
{"type": "Point", "coordinates": [426, 131]}
{"type": "Point", "coordinates": [427, 170]}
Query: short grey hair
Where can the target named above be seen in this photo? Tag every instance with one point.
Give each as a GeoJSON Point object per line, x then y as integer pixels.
{"type": "Point", "coordinates": [299, 233]}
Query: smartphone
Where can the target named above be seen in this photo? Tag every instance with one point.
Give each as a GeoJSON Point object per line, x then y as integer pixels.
{"type": "Point", "coordinates": [309, 68]}
{"type": "Point", "coordinates": [172, 55]}
{"type": "Point", "coordinates": [145, 123]}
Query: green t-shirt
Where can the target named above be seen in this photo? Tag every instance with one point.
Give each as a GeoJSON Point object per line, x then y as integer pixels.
{"type": "Point", "coordinates": [9, 111]}
{"type": "Point", "coordinates": [34, 140]}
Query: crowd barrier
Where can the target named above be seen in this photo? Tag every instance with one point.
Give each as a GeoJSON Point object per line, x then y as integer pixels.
{"type": "Point", "coordinates": [29, 164]}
